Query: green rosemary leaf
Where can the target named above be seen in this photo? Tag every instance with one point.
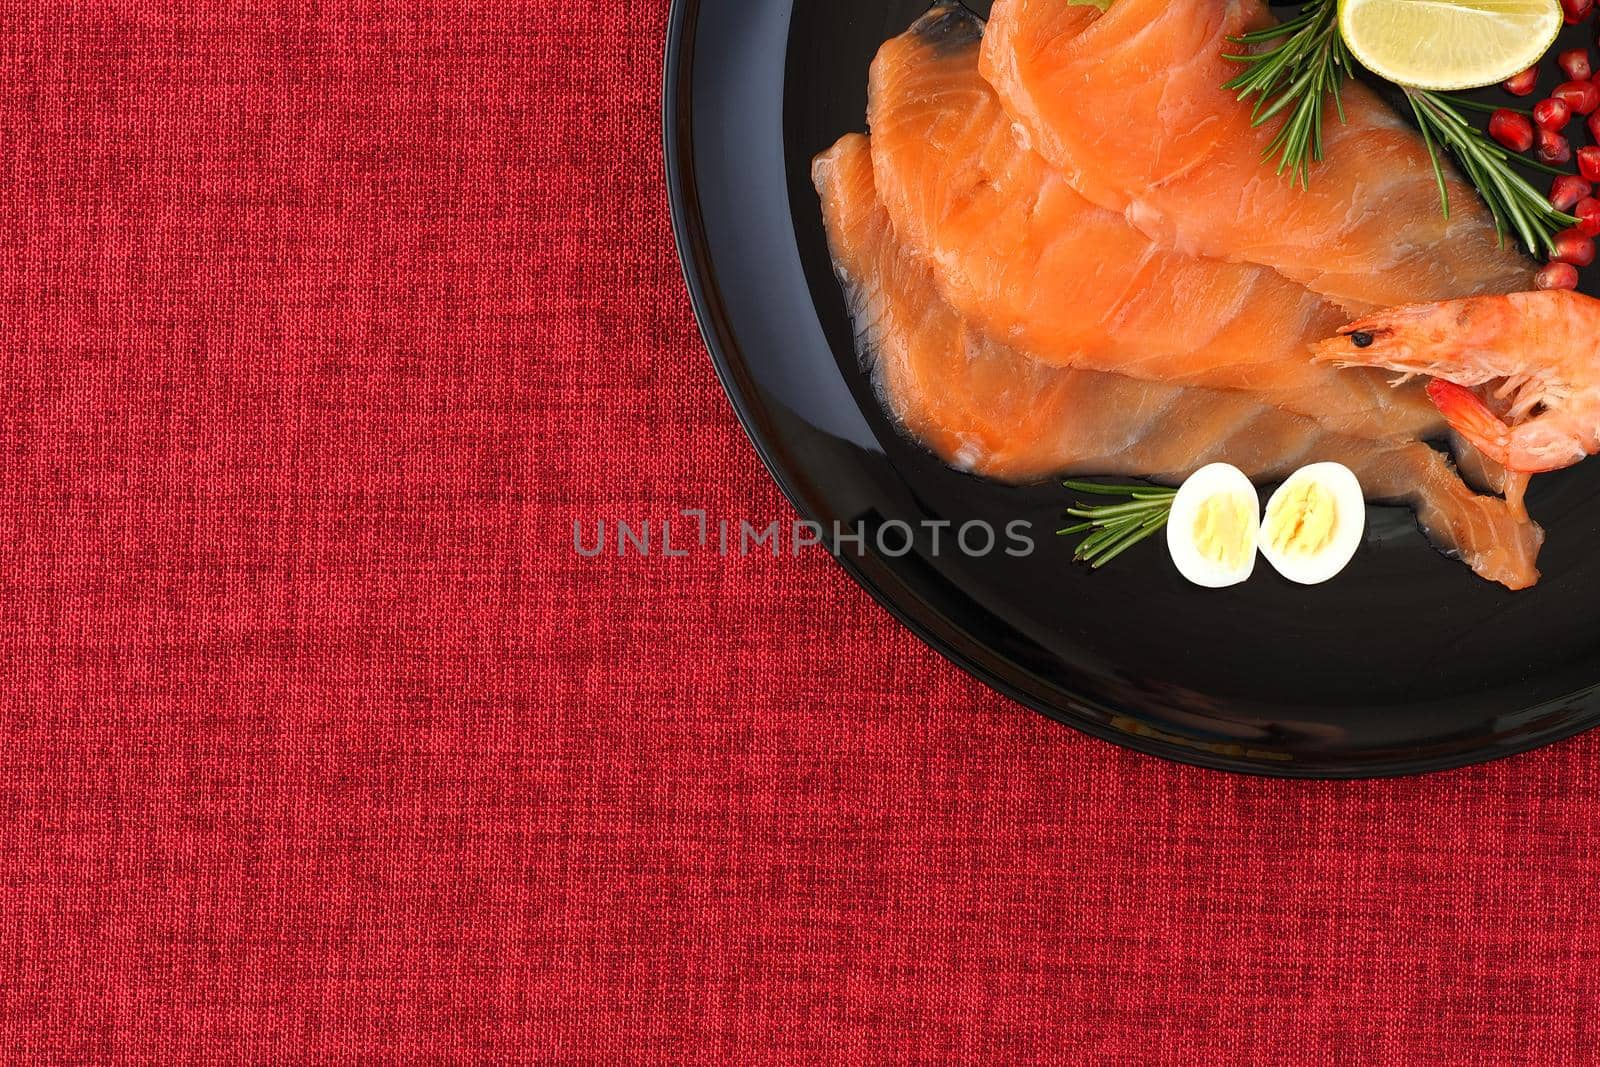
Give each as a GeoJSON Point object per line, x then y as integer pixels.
{"type": "Point", "coordinates": [1534, 164]}
{"type": "Point", "coordinates": [1096, 541]}
{"type": "Point", "coordinates": [1099, 489]}
{"type": "Point", "coordinates": [1272, 33]}
{"type": "Point", "coordinates": [1433, 156]}
{"type": "Point", "coordinates": [1488, 109]}
{"type": "Point", "coordinates": [1110, 511]}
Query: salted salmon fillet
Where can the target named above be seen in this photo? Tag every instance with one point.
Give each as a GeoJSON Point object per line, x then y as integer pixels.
{"type": "Point", "coordinates": [1129, 105]}
{"type": "Point", "coordinates": [1018, 251]}
{"type": "Point", "coordinates": [987, 408]}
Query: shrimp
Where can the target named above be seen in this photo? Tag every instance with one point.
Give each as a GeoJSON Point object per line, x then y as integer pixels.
{"type": "Point", "coordinates": [1538, 353]}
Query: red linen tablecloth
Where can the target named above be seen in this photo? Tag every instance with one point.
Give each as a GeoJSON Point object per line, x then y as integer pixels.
{"type": "Point", "coordinates": [322, 323]}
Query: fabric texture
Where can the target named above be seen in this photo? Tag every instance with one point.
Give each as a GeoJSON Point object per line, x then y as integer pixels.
{"type": "Point", "coordinates": [320, 744]}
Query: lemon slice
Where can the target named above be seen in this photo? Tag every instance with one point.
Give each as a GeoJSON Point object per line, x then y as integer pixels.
{"type": "Point", "coordinates": [1448, 44]}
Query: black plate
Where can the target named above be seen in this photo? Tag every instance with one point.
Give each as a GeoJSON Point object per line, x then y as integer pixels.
{"type": "Point", "coordinates": [1406, 663]}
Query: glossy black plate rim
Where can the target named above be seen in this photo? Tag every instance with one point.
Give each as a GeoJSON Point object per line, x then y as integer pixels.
{"type": "Point", "coordinates": [959, 647]}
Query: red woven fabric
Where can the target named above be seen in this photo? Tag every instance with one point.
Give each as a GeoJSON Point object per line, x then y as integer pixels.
{"type": "Point", "coordinates": [322, 323]}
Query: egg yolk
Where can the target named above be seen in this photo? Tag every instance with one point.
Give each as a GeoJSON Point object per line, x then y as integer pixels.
{"type": "Point", "coordinates": [1302, 520]}
{"type": "Point", "coordinates": [1222, 529]}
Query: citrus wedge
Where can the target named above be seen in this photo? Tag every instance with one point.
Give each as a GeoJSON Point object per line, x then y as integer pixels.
{"type": "Point", "coordinates": [1448, 44]}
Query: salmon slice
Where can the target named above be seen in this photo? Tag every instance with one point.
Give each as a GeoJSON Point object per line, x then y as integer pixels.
{"type": "Point", "coordinates": [1129, 105]}
{"type": "Point", "coordinates": [1017, 251]}
{"type": "Point", "coordinates": [986, 408]}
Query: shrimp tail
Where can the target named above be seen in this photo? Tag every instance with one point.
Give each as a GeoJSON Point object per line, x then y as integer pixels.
{"type": "Point", "coordinates": [1470, 417]}
{"type": "Point", "coordinates": [1545, 442]}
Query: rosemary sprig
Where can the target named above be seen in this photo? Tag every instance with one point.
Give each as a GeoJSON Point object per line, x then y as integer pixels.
{"type": "Point", "coordinates": [1516, 205]}
{"type": "Point", "coordinates": [1297, 75]}
{"type": "Point", "coordinates": [1489, 109]}
{"type": "Point", "coordinates": [1116, 527]}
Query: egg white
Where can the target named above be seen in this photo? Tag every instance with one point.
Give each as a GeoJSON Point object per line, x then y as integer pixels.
{"type": "Point", "coordinates": [1195, 491]}
{"type": "Point", "coordinates": [1350, 523]}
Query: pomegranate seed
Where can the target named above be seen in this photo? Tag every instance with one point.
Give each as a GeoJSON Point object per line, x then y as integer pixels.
{"type": "Point", "coordinates": [1575, 63]}
{"type": "Point", "coordinates": [1576, 11]}
{"type": "Point", "coordinates": [1557, 276]}
{"type": "Point", "coordinates": [1573, 247]}
{"type": "Point", "coordinates": [1521, 84]}
{"type": "Point", "coordinates": [1588, 212]}
{"type": "Point", "coordinates": [1552, 115]}
{"type": "Point", "coordinates": [1581, 97]}
{"type": "Point", "coordinates": [1589, 164]}
{"type": "Point", "coordinates": [1567, 190]}
{"type": "Point", "coordinates": [1512, 130]}
{"type": "Point", "coordinates": [1553, 148]}
{"type": "Point", "coordinates": [1594, 127]}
